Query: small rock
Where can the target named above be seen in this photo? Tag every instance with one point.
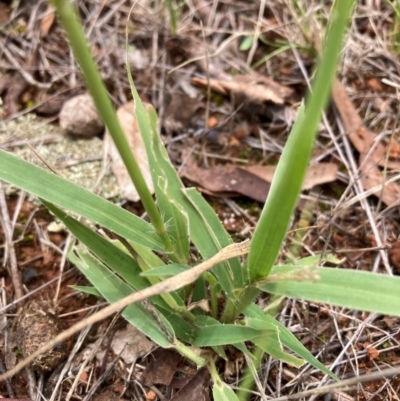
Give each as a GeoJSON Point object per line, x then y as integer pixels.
{"type": "Point", "coordinates": [36, 325]}
{"type": "Point", "coordinates": [79, 116]}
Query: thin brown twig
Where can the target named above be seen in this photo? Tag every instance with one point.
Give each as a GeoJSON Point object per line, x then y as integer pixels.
{"type": "Point", "coordinates": [12, 257]}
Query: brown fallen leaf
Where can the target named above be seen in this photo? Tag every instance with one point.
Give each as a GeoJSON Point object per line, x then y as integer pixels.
{"type": "Point", "coordinates": [394, 256]}
{"type": "Point", "coordinates": [356, 130]}
{"type": "Point", "coordinates": [130, 127]}
{"type": "Point", "coordinates": [5, 10]}
{"type": "Point", "coordinates": [179, 111]}
{"type": "Point", "coordinates": [161, 368]}
{"type": "Point", "coordinates": [253, 182]}
{"type": "Point", "coordinates": [227, 179]}
{"type": "Point", "coordinates": [317, 174]}
{"type": "Point", "coordinates": [130, 344]}
{"type": "Point", "coordinates": [47, 21]}
{"type": "Point", "coordinates": [196, 389]}
{"type": "Point", "coordinates": [257, 89]}
{"type": "Point", "coordinates": [372, 154]}
{"type": "Point", "coordinates": [16, 85]}
{"type": "Point", "coordinates": [373, 179]}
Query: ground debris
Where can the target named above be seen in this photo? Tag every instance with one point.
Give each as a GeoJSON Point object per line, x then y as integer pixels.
{"type": "Point", "coordinates": [132, 133]}
{"type": "Point", "coordinates": [36, 325]}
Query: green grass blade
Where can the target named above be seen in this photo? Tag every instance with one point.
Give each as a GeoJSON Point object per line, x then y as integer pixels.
{"type": "Point", "coordinates": [112, 288]}
{"type": "Point", "coordinates": [63, 193]}
{"type": "Point", "coordinates": [205, 229]}
{"type": "Point", "coordinates": [165, 271]}
{"type": "Point", "coordinates": [176, 221]}
{"type": "Point", "coordinates": [114, 257]}
{"type": "Point", "coordinates": [222, 392]}
{"type": "Point", "coordinates": [359, 290]}
{"type": "Point", "coordinates": [209, 235]}
{"type": "Point", "coordinates": [286, 185]}
{"type": "Point", "coordinates": [89, 290]}
{"type": "Point", "coordinates": [271, 344]}
{"type": "Point", "coordinates": [69, 19]}
{"type": "Point", "coordinates": [219, 334]}
{"type": "Point", "coordinates": [287, 338]}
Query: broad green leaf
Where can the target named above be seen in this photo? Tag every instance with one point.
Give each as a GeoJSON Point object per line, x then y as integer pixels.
{"type": "Point", "coordinates": [112, 288]}
{"type": "Point", "coordinates": [205, 228]}
{"type": "Point", "coordinates": [287, 338]}
{"type": "Point", "coordinates": [86, 290]}
{"type": "Point", "coordinates": [246, 43]}
{"type": "Point", "coordinates": [282, 197]}
{"type": "Point", "coordinates": [270, 342]}
{"type": "Point", "coordinates": [63, 193]}
{"type": "Point", "coordinates": [219, 350]}
{"type": "Point", "coordinates": [360, 290]}
{"type": "Point", "coordinates": [286, 184]}
{"type": "Point", "coordinates": [164, 176]}
{"type": "Point", "coordinates": [118, 260]}
{"type": "Point", "coordinates": [122, 263]}
{"type": "Point", "coordinates": [176, 221]}
{"type": "Point", "coordinates": [223, 334]}
{"type": "Point", "coordinates": [210, 236]}
{"type": "Point", "coordinates": [165, 271]}
{"type": "Point", "coordinates": [316, 260]}
{"type": "Point", "coordinates": [182, 328]}
{"type": "Point", "coordinates": [222, 392]}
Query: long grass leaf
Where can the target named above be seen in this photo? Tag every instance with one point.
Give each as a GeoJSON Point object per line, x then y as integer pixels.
{"type": "Point", "coordinates": [286, 185]}
{"type": "Point", "coordinates": [64, 193]}
{"type": "Point", "coordinates": [113, 289]}
{"type": "Point", "coordinates": [360, 290]}
{"type": "Point", "coordinates": [287, 338]}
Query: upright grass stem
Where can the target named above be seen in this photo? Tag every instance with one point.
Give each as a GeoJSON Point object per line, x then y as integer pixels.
{"type": "Point", "coordinates": [269, 233]}
{"type": "Point", "coordinates": [69, 21]}
{"type": "Point", "coordinates": [286, 185]}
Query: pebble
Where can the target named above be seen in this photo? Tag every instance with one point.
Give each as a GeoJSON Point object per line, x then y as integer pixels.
{"type": "Point", "coordinates": [79, 117]}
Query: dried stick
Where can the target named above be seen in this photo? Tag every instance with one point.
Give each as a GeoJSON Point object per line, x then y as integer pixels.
{"type": "Point", "coordinates": [8, 234]}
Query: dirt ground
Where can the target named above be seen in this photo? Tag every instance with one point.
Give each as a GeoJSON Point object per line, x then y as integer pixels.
{"type": "Point", "coordinates": [226, 79]}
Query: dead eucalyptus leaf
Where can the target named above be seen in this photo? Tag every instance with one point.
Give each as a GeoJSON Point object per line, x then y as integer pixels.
{"type": "Point", "coordinates": [162, 367]}
{"type": "Point", "coordinates": [130, 344]}
{"type": "Point", "coordinates": [358, 133]}
{"type": "Point", "coordinates": [47, 21]}
{"type": "Point", "coordinates": [196, 389]}
{"type": "Point", "coordinates": [227, 179]}
{"type": "Point", "coordinates": [257, 89]}
{"type": "Point", "coordinates": [372, 153]}
{"type": "Point", "coordinates": [130, 127]}
{"type": "Point", "coordinates": [317, 174]}
{"type": "Point", "coordinates": [253, 182]}
{"type": "Point", "coordinates": [373, 179]}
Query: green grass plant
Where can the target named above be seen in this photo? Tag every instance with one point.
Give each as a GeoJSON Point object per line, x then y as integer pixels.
{"type": "Point", "coordinates": [180, 216]}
